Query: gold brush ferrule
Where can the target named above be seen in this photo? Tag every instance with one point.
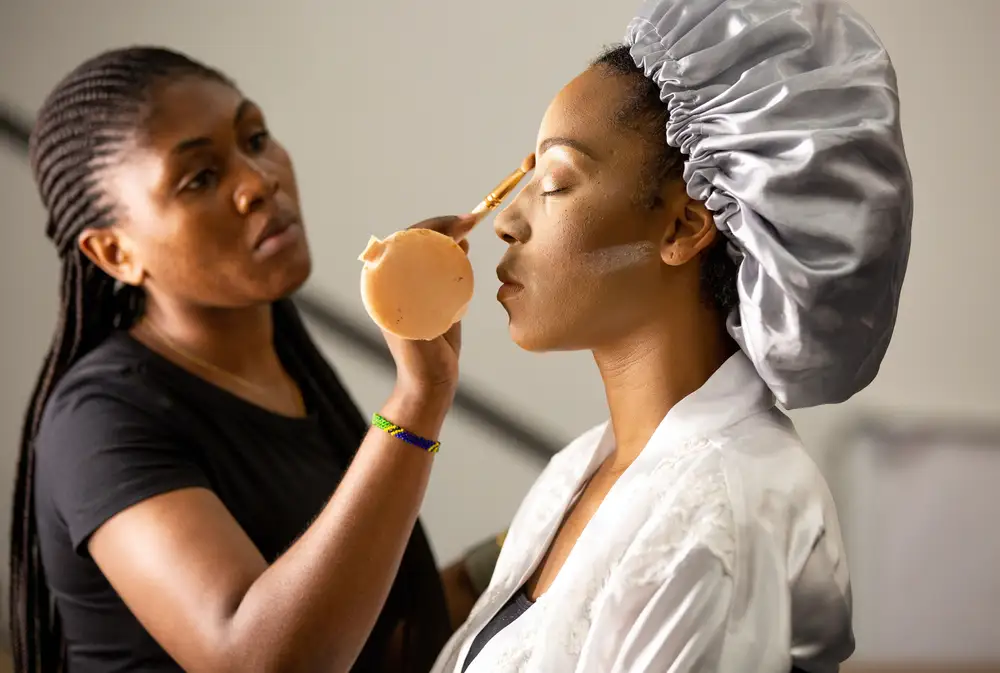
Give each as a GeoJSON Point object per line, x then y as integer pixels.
{"type": "Point", "coordinates": [496, 197]}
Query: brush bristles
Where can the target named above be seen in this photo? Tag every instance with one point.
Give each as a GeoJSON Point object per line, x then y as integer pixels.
{"type": "Point", "coordinates": [528, 164]}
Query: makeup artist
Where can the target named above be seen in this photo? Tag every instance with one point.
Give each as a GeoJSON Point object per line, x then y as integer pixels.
{"type": "Point", "coordinates": [183, 495]}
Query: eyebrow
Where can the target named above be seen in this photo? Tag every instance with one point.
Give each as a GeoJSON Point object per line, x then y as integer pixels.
{"type": "Point", "coordinates": [549, 143]}
{"type": "Point", "coordinates": [194, 143]}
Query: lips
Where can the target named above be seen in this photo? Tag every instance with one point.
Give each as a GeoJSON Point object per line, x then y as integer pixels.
{"type": "Point", "coordinates": [511, 285]}
{"type": "Point", "coordinates": [275, 225]}
{"type": "Point", "coordinates": [506, 277]}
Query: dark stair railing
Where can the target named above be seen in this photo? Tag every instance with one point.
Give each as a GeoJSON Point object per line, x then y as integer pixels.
{"type": "Point", "coordinates": [536, 444]}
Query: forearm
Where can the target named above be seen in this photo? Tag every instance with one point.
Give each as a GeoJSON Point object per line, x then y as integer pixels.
{"type": "Point", "coordinates": [315, 606]}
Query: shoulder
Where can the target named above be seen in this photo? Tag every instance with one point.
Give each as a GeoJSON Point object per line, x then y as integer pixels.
{"type": "Point", "coordinates": [110, 438]}
{"type": "Point", "coordinates": [111, 396]}
{"type": "Point", "coordinates": [767, 458]}
{"type": "Point", "coordinates": [752, 483]}
{"type": "Point", "coordinates": [767, 435]}
{"type": "Point", "coordinates": [120, 371]}
{"type": "Point", "coordinates": [690, 506]}
{"type": "Point", "coordinates": [781, 492]}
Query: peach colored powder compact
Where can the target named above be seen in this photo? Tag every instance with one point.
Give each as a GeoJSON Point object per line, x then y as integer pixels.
{"type": "Point", "coordinates": [417, 283]}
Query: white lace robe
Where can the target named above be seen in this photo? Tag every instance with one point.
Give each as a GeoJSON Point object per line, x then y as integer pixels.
{"type": "Point", "coordinates": [718, 550]}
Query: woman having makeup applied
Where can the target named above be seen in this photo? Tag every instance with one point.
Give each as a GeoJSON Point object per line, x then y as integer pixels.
{"type": "Point", "coordinates": [196, 490]}
{"type": "Point", "coordinates": [720, 213]}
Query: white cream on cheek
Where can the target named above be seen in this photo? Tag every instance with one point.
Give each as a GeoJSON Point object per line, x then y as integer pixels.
{"type": "Point", "coordinates": [617, 258]}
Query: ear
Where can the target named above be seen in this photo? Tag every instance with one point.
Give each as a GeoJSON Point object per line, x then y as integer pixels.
{"type": "Point", "coordinates": [108, 249]}
{"type": "Point", "coordinates": [691, 231]}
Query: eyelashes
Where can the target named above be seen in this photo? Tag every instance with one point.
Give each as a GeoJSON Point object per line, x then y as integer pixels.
{"type": "Point", "coordinates": [552, 192]}
{"type": "Point", "coordinates": [553, 183]}
{"type": "Point", "coordinates": [258, 141]}
{"type": "Point", "coordinates": [208, 177]}
{"type": "Point", "coordinates": [202, 179]}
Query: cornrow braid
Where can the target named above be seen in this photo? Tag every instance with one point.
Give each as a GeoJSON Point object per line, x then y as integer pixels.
{"type": "Point", "coordinates": [80, 130]}
{"type": "Point", "coordinates": [644, 111]}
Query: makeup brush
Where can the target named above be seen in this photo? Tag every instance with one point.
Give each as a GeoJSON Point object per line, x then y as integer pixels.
{"type": "Point", "coordinates": [417, 282]}
{"type": "Point", "coordinates": [506, 186]}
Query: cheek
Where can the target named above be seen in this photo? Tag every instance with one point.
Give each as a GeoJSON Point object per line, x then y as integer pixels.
{"type": "Point", "coordinates": [565, 228]}
{"type": "Point", "coordinates": [588, 260]}
{"type": "Point", "coordinates": [197, 240]}
{"type": "Point", "coordinates": [590, 237]}
{"type": "Point", "coordinates": [558, 253]}
{"type": "Point", "coordinates": [281, 165]}
{"type": "Point", "coordinates": [581, 282]}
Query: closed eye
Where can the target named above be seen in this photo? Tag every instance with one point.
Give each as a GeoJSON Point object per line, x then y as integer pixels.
{"type": "Point", "coordinates": [202, 180]}
{"type": "Point", "coordinates": [258, 141]}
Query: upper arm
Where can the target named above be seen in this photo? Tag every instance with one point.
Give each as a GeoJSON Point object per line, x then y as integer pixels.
{"type": "Point", "coordinates": [682, 628]}
{"type": "Point", "coordinates": [181, 564]}
{"type": "Point", "coordinates": [133, 494]}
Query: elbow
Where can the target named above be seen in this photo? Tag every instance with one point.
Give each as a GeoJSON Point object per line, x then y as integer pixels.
{"type": "Point", "coordinates": [263, 640]}
{"type": "Point", "coordinates": [259, 654]}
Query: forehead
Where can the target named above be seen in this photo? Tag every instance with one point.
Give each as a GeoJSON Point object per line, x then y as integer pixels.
{"type": "Point", "coordinates": [188, 107]}
{"type": "Point", "coordinates": [180, 110]}
{"type": "Point", "coordinates": [586, 109]}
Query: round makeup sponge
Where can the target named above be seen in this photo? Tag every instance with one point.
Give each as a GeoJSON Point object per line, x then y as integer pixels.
{"type": "Point", "coordinates": [416, 283]}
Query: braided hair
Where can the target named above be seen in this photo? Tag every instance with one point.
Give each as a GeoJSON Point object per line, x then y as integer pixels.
{"type": "Point", "coordinates": [81, 129]}
{"type": "Point", "coordinates": [643, 110]}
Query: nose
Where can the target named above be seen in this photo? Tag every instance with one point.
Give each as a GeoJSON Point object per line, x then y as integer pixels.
{"type": "Point", "coordinates": [510, 225]}
{"type": "Point", "coordinates": [256, 187]}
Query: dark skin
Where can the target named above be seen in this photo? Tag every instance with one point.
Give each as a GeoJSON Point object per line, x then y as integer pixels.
{"type": "Point", "coordinates": [194, 190]}
{"type": "Point", "coordinates": [588, 237]}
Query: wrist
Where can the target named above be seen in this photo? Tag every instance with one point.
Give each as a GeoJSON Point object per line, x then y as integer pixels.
{"type": "Point", "coordinates": [425, 393]}
{"type": "Point", "coordinates": [420, 410]}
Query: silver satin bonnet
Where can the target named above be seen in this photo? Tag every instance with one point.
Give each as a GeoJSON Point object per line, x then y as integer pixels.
{"type": "Point", "coordinates": [788, 114]}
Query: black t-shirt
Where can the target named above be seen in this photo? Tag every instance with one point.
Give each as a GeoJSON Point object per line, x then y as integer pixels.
{"type": "Point", "coordinates": [126, 424]}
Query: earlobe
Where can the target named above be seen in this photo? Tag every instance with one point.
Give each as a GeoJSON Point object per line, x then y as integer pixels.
{"type": "Point", "coordinates": [112, 255]}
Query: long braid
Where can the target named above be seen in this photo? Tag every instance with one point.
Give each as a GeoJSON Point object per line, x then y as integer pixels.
{"type": "Point", "coordinates": [80, 130]}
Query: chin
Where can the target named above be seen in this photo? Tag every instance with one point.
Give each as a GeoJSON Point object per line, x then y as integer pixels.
{"type": "Point", "coordinates": [292, 277]}
{"type": "Point", "coordinates": [539, 328]}
{"type": "Point", "coordinates": [532, 340]}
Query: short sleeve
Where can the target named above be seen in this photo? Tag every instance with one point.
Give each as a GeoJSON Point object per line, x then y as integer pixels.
{"type": "Point", "coordinates": [105, 446]}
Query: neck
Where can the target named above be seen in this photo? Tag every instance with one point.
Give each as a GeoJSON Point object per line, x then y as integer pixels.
{"type": "Point", "coordinates": [653, 369]}
{"type": "Point", "coordinates": [237, 341]}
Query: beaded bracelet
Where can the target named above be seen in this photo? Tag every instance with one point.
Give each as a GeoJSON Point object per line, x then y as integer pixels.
{"type": "Point", "coordinates": [427, 445]}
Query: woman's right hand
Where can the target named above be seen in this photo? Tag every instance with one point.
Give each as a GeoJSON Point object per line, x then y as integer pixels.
{"type": "Point", "coordinates": [431, 367]}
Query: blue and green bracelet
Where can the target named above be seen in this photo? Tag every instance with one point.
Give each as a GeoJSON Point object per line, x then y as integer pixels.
{"type": "Point", "coordinates": [428, 445]}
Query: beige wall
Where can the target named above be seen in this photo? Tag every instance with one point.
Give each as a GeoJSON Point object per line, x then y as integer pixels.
{"type": "Point", "coordinates": [395, 111]}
